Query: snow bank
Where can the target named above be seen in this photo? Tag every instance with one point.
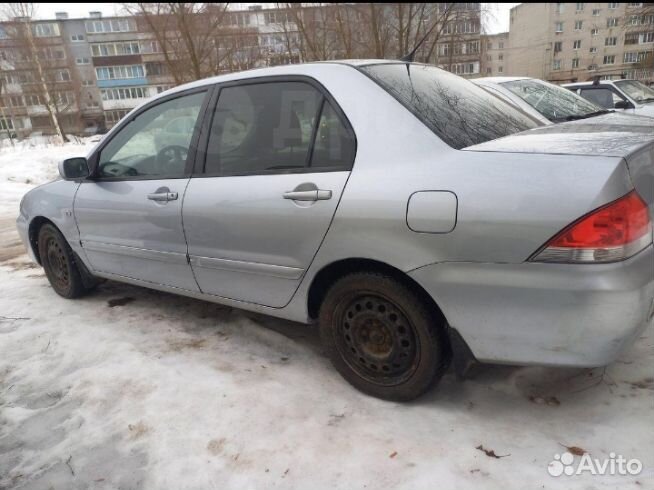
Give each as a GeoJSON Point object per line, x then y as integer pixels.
{"type": "Point", "coordinates": [168, 392]}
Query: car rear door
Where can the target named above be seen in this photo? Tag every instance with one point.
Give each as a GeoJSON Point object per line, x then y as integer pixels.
{"type": "Point", "coordinates": [278, 156]}
{"type": "Point", "coordinates": [129, 214]}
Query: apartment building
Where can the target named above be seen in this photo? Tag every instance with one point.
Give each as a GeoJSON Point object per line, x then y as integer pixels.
{"type": "Point", "coordinates": [99, 68]}
{"type": "Point", "coordinates": [564, 42]}
{"type": "Point", "coordinates": [494, 56]}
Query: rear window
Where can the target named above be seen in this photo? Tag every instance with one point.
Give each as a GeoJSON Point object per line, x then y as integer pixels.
{"type": "Point", "coordinates": [459, 112]}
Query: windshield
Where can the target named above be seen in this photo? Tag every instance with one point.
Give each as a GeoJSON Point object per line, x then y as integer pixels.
{"type": "Point", "coordinates": [636, 90]}
{"type": "Point", "coordinates": [554, 102]}
{"type": "Point", "coordinates": [459, 112]}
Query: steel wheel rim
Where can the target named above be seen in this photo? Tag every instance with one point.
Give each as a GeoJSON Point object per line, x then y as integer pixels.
{"type": "Point", "coordinates": [57, 264]}
{"type": "Point", "coordinates": [377, 340]}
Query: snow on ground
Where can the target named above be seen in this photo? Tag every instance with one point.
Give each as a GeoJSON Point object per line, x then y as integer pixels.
{"type": "Point", "coordinates": [131, 388]}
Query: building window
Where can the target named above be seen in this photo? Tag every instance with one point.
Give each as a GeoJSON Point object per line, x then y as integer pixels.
{"type": "Point", "coordinates": [575, 62]}
{"type": "Point", "coordinates": [87, 83]}
{"type": "Point", "coordinates": [119, 72]}
{"type": "Point", "coordinates": [124, 93]}
{"type": "Point", "coordinates": [115, 49]}
{"type": "Point", "coordinates": [612, 22]}
{"type": "Point", "coordinates": [17, 101]}
{"type": "Point", "coordinates": [592, 67]}
{"type": "Point", "coordinates": [558, 47]}
{"type": "Point", "coordinates": [631, 57]}
{"type": "Point", "coordinates": [500, 57]}
{"type": "Point", "coordinates": [609, 59]}
{"type": "Point", "coordinates": [82, 61]}
{"type": "Point", "coordinates": [647, 37]}
{"type": "Point", "coordinates": [500, 69]}
{"type": "Point", "coordinates": [556, 65]}
{"type": "Point", "coordinates": [77, 38]}
{"type": "Point", "coordinates": [558, 27]}
{"type": "Point", "coordinates": [580, 6]}
{"type": "Point", "coordinates": [150, 47]}
{"type": "Point", "coordinates": [501, 46]}
{"type": "Point", "coordinates": [576, 44]}
{"type": "Point", "coordinates": [6, 124]}
{"type": "Point", "coordinates": [46, 30]}
{"type": "Point", "coordinates": [62, 76]}
{"type": "Point", "coordinates": [596, 12]}
{"type": "Point", "coordinates": [593, 50]}
{"type": "Point", "coordinates": [489, 71]}
{"type": "Point", "coordinates": [112, 117]}
{"type": "Point", "coordinates": [110, 25]}
{"type": "Point", "coordinates": [613, 5]}
{"type": "Point", "coordinates": [578, 24]}
{"type": "Point", "coordinates": [594, 32]}
{"type": "Point", "coordinates": [560, 7]}
{"type": "Point", "coordinates": [156, 69]}
{"type": "Point", "coordinates": [611, 41]}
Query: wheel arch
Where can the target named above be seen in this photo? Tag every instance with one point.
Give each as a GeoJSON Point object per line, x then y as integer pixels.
{"type": "Point", "coordinates": [332, 272]}
{"type": "Point", "coordinates": [33, 234]}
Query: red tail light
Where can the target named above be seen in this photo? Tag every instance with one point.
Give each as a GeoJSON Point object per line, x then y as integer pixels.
{"type": "Point", "coordinates": [613, 232]}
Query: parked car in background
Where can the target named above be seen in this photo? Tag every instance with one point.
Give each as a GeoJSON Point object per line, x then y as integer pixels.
{"type": "Point", "coordinates": [541, 100]}
{"type": "Point", "coordinates": [631, 96]}
{"type": "Point", "coordinates": [409, 212]}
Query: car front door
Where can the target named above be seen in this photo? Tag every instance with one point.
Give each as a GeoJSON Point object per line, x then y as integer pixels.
{"type": "Point", "coordinates": [129, 214]}
{"type": "Point", "coordinates": [278, 156]}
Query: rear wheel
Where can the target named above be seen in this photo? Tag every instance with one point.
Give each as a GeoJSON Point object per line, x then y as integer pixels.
{"type": "Point", "coordinates": [61, 268]}
{"type": "Point", "coordinates": [382, 337]}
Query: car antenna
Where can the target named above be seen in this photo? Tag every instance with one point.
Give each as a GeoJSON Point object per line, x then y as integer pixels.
{"type": "Point", "coordinates": [408, 58]}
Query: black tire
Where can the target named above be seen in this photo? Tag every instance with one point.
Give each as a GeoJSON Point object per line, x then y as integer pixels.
{"type": "Point", "coordinates": [382, 338]}
{"type": "Point", "coordinates": [60, 265]}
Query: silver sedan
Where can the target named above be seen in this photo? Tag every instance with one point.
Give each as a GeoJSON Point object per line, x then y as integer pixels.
{"type": "Point", "coordinates": [414, 216]}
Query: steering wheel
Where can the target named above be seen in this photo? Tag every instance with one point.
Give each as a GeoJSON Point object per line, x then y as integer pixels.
{"type": "Point", "coordinates": [115, 169]}
{"type": "Point", "coordinates": [172, 156]}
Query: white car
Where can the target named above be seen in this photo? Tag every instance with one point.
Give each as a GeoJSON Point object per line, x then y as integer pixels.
{"type": "Point", "coordinates": [543, 101]}
{"type": "Point", "coordinates": [630, 96]}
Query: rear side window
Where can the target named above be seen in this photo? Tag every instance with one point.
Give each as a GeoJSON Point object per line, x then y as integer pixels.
{"type": "Point", "coordinates": [459, 112]}
{"type": "Point", "coordinates": [271, 128]}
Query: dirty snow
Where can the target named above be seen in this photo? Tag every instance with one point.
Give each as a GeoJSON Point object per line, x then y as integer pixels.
{"type": "Point", "coordinates": [131, 388]}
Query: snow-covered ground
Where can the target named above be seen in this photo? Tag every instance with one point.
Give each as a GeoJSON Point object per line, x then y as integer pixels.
{"type": "Point", "coordinates": [130, 388]}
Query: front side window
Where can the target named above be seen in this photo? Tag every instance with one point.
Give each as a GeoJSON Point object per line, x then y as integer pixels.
{"type": "Point", "coordinates": [156, 143]}
{"type": "Point", "coordinates": [602, 96]}
{"type": "Point", "coordinates": [554, 102]}
{"type": "Point", "coordinates": [269, 128]}
{"type": "Point", "coordinates": [636, 90]}
{"type": "Point", "coordinates": [459, 112]}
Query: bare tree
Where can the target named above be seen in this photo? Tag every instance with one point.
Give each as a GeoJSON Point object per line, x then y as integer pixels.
{"type": "Point", "coordinates": [189, 35]}
{"type": "Point", "coordinates": [34, 52]}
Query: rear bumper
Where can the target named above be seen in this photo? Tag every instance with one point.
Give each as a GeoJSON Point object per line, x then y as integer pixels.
{"type": "Point", "coordinates": [546, 314]}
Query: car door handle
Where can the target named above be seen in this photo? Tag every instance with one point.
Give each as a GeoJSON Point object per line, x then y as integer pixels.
{"type": "Point", "coordinates": [313, 195]}
{"type": "Point", "coordinates": [163, 196]}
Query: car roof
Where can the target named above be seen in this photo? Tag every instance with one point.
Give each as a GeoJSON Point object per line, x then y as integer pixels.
{"type": "Point", "coordinates": [293, 69]}
{"type": "Point", "coordinates": [583, 84]}
{"type": "Point", "coordinates": [499, 79]}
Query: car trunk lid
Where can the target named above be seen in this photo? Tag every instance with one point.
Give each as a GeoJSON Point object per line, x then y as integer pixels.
{"type": "Point", "coordinates": [611, 135]}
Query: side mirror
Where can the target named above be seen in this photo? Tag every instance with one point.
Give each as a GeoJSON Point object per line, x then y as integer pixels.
{"type": "Point", "coordinates": [74, 168]}
{"type": "Point", "coordinates": [623, 104]}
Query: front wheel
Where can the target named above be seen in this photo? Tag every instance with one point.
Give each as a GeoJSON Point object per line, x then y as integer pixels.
{"type": "Point", "coordinates": [382, 338]}
{"type": "Point", "coordinates": [63, 272]}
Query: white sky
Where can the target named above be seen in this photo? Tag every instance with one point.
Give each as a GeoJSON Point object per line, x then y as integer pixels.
{"type": "Point", "coordinates": [497, 20]}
